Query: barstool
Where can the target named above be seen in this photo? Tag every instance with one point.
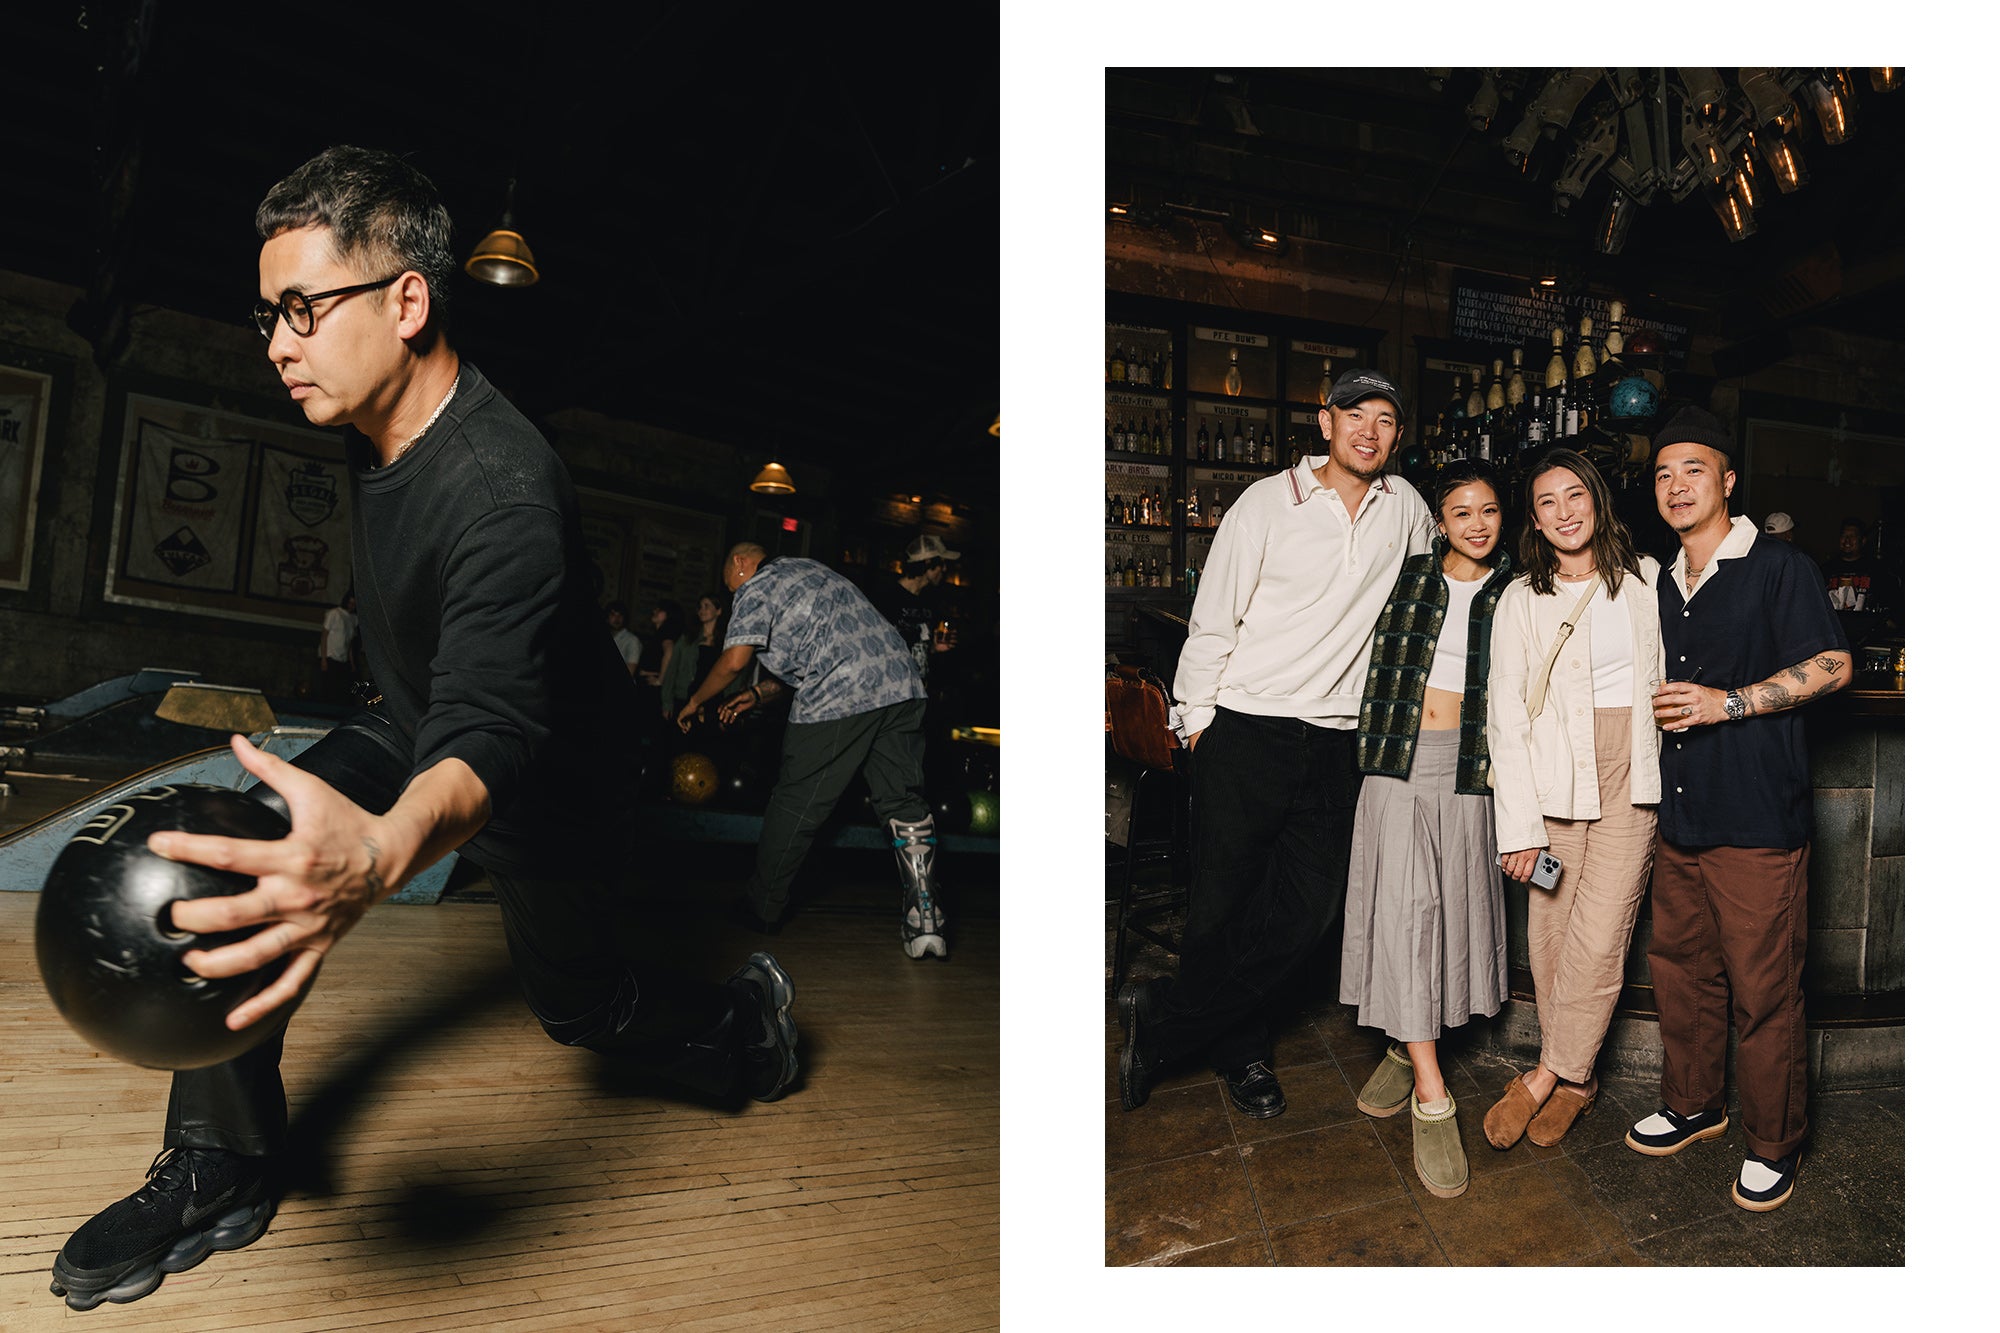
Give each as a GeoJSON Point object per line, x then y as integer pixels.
{"type": "Point", "coordinates": [1135, 722]}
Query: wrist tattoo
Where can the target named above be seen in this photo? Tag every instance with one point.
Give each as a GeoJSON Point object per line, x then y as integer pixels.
{"type": "Point", "coordinates": [373, 876]}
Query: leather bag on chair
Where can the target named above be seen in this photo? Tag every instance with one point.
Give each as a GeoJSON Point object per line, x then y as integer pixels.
{"type": "Point", "coordinates": [1135, 716]}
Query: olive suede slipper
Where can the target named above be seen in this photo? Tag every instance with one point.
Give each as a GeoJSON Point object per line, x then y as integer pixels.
{"type": "Point", "coordinates": [1435, 1146]}
{"type": "Point", "coordinates": [1390, 1086]}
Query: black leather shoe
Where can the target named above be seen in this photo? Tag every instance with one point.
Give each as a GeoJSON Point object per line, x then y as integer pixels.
{"type": "Point", "coordinates": [1135, 1073]}
{"type": "Point", "coordinates": [1254, 1091]}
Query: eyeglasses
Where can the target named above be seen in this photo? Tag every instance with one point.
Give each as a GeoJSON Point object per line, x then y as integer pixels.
{"type": "Point", "coordinates": [297, 307]}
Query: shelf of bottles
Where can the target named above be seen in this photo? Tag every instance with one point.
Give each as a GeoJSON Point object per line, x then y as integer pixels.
{"type": "Point", "coordinates": [1176, 458]}
{"type": "Point", "coordinates": [1592, 393]}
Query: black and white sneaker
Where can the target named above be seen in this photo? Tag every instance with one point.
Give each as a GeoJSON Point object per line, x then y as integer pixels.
{"type": "Point", "coordinates": [1664, 1133]}
{"type": "Point", "coordinates": [1765, 1182]}
{"type": "Point", "coordinates": [195, 1201]}
{"type": "Point", "coordinates": [771, 1047]}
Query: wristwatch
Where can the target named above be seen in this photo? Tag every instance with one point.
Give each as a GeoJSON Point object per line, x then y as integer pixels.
{"type": "Point", "coordinates": [1732, 704]}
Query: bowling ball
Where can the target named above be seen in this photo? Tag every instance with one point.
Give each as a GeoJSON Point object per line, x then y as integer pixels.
{"type": "Point", "coordinates": [1633, 397]}
{"type": "Point", "coordinates": [695, 780]}
{"type": "Point", "coordinates": [108, 949]}
{"type": "Point", "coordinates": [984, 807]}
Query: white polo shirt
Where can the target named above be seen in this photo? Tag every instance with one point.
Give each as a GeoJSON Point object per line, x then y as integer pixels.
{"type": "Point", "coordinates": [1284, 617]}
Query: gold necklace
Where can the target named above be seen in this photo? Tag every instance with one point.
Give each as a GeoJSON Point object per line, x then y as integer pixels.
{"type": "Point", "coordinates": [1574, 577]}
{"type": "Point", "coordinates": [443, 403]}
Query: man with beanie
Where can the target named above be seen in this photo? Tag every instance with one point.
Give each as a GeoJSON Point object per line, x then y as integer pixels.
{"type": "Point", "coordinates": [1269, 688]}
{"type": "Point", "coordinates": [1749, 637]}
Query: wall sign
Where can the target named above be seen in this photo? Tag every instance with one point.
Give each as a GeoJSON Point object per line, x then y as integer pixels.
{"type": "Point", "coordinates": [1503, 313]}
{"type": "Point", "coordinates": [228, 515]}
{"type": "Point", "coordinates": [24, 410]}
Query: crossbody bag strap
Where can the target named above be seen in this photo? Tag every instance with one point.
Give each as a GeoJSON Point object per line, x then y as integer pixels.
{"type": "Point", "coordinates": [1540, 692]}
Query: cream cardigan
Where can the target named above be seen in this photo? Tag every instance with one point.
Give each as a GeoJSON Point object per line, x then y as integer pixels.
{"type": "Point", "coordinates": [1549, 768]}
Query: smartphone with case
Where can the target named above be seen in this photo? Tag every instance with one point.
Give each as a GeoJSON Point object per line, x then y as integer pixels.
{"type": "Point", "coordinates": [1548, 869]}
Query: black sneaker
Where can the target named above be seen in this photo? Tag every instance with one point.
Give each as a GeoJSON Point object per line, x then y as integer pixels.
{"type": "Point", "coordinates": [1770, 1196]}
{"type": "Point", "coordinates": [771, 1050]}
{"type": "Point", "coordinates": [1664, 1133]}
{"type": "Point", "coordinates": [195, 1201]}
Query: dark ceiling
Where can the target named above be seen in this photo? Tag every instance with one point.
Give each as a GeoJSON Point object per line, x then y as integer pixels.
{"type": "Point", "coordinates": [759, 231]}
{"type": "Point", "coordinates": [1387, 160]}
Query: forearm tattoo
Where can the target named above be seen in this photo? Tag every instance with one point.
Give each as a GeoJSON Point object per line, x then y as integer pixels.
{"type": "Point", "coordinates": [376, 888]}
{"type": "Point", "coordinates": [1774, 696]}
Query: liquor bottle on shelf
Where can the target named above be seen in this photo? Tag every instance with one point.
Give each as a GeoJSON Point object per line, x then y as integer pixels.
{"type": "Point", "coordinates": [1537, 431]}
{"type": "Point", "coordinates": [1190, 576]}
{"type": "Point", "coordinates": [1232, 383]}
{"type": "Point", "coordinates": [1153, 574]}
{"type": "Point", "coordinates": [1159, 508]}
{"type": "Point", "coordinates": [1131, 512]}
{"type": "Point", "coordinates": [1214, 505]}
{"type": "Point", "coordinates": [1558, 370]}
{"type": "Point", "coordinates": [1266, 455]}
{"type": "Point", "coordinates": [1118, 364]}
{"type": "Point", "coordinates": [1138, 370]}
{"type": "Point", "coordinates": [1166, 375]}
{"type": "Point", "coordinates": [1236, 440]}
{"type": "Point", "coordinates": [1193, 508]}
{"type": "Point", "coordinates": [1110, 506]}
{"type": "Point", "coordinates": [1201, 441]}
{"type": "Point", "coordinates": [1326, 380]}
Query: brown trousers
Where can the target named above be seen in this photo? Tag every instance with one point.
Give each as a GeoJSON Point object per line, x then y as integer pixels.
{"type": "Point", "coordinates": [1579, 932]}
{"type": "Point", "coordinates": [1729, 936]}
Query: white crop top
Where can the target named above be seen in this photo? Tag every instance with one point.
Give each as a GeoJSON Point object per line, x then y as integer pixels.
{"type": "Point", "coordinates": [1448, 663]}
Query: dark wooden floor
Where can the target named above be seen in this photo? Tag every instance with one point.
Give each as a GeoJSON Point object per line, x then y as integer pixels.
{"type": "Point", "coordinates": [460, 1170]}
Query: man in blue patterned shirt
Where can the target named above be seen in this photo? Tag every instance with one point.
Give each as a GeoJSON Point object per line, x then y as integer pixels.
{"type": "Point", "coordinates": [859, 705]}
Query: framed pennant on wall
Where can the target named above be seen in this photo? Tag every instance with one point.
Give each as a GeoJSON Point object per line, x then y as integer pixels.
{"type": "Point", "coordinates": [24, 411]}
{"type": "Point", "coordinates": [228, 515]}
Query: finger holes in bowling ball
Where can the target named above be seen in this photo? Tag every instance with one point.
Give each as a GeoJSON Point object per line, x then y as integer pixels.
{"type": "Point", "coordinates": [168, 930]}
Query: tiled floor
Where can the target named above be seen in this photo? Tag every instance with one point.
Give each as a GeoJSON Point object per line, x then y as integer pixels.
{"type": "Point", "coordinates": [1190, 1181]}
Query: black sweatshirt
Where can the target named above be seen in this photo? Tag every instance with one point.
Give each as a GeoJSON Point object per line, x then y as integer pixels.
{"type": "Point", "coordinates": [484, 637]}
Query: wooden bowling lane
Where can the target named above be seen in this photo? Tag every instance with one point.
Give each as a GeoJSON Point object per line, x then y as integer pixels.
{"type": "Point", "coordinates": [473, 1174]}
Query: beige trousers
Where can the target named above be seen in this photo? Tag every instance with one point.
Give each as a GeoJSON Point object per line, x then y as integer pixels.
{"type": "Point", "coordinates": [1579, 932]}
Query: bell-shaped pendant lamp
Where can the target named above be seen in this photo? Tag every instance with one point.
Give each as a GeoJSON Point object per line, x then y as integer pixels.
{"type": "Point", "coordinates": [773, 480]}
{"type": "Point", "coordinates": [502, 257]}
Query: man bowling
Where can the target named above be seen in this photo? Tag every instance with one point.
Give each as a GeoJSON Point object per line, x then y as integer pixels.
{"type": "Point", "coordinates": [503, 730]}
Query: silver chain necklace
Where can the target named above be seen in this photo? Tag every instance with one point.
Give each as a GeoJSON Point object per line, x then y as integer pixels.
{"type": "Point", "coordinates": [443, 403]}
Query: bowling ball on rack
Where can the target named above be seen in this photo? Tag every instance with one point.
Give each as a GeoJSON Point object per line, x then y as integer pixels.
{"type": "Point", "coordinates": [983, 808]}
{"type": "Point", "coordinates": [1632, 398]}
{"type": "Point", "coordinates": [106, 944]}
{"type": "Point", "coordinates": [694, 778]}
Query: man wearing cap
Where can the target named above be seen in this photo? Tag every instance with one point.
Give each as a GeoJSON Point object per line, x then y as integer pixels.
{"type": "Point", "coordinates": [1269, 693]}
{"type": "Point", "coordinates": [1778, 524]}
{"type": "Point", "coordinates": [858, 707]}
{"type": "Point", "coordinates": [914, 614]}
{"type": "Point", "coordinates": [1749, 637]}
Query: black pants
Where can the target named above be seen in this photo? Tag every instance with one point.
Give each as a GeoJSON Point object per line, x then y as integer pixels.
{"type": "Point", "coordinates": [885, 745]}
{"type": "Point", "coordinates": [1273, 822]}
{"type": "Point", "coordinates": [559, 935]}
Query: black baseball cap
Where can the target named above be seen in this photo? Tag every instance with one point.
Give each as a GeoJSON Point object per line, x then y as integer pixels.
{"type": "Point", "coordinates": [1355, 385]}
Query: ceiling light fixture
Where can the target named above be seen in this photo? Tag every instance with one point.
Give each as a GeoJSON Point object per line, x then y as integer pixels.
{"type": "Point", "coordinates": [773, 480]}
{"type": "Point", "coordinates": [502, 257]}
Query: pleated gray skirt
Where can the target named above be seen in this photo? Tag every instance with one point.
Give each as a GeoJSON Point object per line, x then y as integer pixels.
{"type": "Point", "coordinates": [1424, 946]}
